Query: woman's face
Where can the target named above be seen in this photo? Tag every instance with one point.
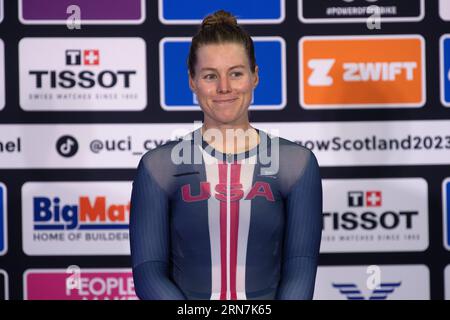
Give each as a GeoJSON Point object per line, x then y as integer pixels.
{"type": "Point", "coordinates": [223, 83]}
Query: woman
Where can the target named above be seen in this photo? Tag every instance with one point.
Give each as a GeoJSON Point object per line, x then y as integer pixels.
{"type": "Point", "coordinates": [224, 222]}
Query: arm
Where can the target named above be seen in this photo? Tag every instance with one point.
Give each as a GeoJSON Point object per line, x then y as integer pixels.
{"type": "Point", "coordinates": [149, 239]}
{"type": "Point", "coordinates": [302, 235]}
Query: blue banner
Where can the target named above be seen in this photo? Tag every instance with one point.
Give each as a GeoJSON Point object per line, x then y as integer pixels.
{"type": "Point", "coordinates": [445, 65]}
{"type": "Point", "coordinates": [270, 94]}
{"type": "Point", "coordinates": [248, 11]}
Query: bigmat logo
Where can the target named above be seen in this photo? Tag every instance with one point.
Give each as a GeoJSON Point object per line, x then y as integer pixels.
{"type": "Point", "coordinates": [446, 211]}
{"type": "Point", "coordinates": [3, 218]}
{"type": "Point", "coordinates": [4, 292]}
{"type": "Point", "coordinates": [78, 284]}
{"type": "Point", "coordinates": [193, 12]}
{"type": "Point", "coordinates": [91, 12]}
{"type": "Point", "coordinates": [270, 94]}
{"type": "Point", "coordinates": [342, 72]}
{"type": "Point", "coordinates": [444, 9]}
{"type": "Point", "coordinates": [384, 282]}
{"type": "Point", "coordinates": [85, 74]}
{"type": "Point", "coordinates": [375, 215]}
{"type": "Point", "coordinates": [343, 11]}
{"type": "Point", "coordinates": [2, 74]}
{"type": "Point", "coordinates": [445, 69]}
{"type": "Point", "coordinates": [76, 218]}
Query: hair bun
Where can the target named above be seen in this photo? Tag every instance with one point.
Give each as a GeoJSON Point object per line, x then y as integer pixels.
{"type": "Point", "coordinates": [220, 17]}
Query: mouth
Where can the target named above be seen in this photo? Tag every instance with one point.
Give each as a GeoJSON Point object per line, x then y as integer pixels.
{"type": "Point", "coordinates": [225, 101]}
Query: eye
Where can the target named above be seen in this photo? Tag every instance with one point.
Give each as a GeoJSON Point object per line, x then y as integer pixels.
{"type": "Point", "coordinates": [237, 74]}
{"type": "Point", "coordinates": [209, 76]}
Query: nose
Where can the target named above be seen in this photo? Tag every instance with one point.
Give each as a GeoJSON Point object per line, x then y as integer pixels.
{"type": "Point", "coordinates": [224, 85]}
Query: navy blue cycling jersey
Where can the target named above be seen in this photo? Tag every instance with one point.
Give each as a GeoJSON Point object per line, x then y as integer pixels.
{"type": "Point", "coordinates": [219, 226]}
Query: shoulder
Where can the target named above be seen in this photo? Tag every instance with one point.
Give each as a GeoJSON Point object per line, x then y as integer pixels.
{"type": "Point", "coordinates": [160, 155]}
{"type": "Point", "coordinates": [157, 165]}
{"type": "Point", "coordinates": [293, 161]}
{"type": "Point", "coordinates": [290, 154]}
{"type": "Point", "coordinates": [289, 147]}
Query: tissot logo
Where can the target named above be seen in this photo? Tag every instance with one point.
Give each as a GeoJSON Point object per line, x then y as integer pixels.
{"type": "Point", "coordinates": [343, 11]}
{"type": "Point", "coordinates": [390, 282]}
{"type": "Point", "coordinates": [344, 71]}
{"type": "Point", "coordinates": [361, 198]}
{"type": "Point", "coordinates": [82, 74]}
{"type": "Point", "coordinates": [375, 215]}
{"type": "Point", "coordinates": [85, 57]}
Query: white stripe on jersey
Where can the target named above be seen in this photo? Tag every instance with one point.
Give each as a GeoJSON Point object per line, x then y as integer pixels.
{"type": "Point", "coordinates": [212, 176]}
{"type": "Point", "coordinates": [247, 170]}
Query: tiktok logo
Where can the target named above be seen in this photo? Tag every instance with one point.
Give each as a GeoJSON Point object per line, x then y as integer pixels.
{"type": "Point", "coordinates": [67, 146]}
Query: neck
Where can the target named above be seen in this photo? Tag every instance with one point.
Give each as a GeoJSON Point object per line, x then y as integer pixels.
{"type": "Point", "coordinates": [231, 138]}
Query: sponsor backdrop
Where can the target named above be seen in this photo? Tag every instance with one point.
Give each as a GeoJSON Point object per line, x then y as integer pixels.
{"type": "Point", "coordinates": [365, 84]}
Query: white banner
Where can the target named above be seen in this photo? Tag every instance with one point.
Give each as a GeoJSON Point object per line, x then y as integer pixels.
{"type": "Point", "coordinates": [375, 215]}
{"type": "Point", "coordinates": [384, 282]}
{"type": "Point", "coordinates": [447, 282]}
{"type": "Point", "coordinates": [444, 9]}
{"type": "Point", "coordinates": [82, 74]}
{"type": "Point", "coordinates": [76, 218]}
{"type": "Point", "coordinates": [121, 145]}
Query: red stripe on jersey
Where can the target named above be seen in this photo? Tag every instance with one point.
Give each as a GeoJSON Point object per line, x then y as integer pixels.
{"type": "Point", "coordinates": [234, 212]}
{"type": "Point", "coordinates": [223, 234]}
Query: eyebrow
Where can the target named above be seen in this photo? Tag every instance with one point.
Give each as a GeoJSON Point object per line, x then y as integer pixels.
{"type": "Point", "coordinates": [231, 68]}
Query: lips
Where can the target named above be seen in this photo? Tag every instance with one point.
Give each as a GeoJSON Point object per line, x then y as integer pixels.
{"type": "Point", "coordinates": [225, 101]}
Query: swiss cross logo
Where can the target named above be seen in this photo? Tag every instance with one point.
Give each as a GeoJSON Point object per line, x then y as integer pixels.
{"type": "Point", "coordinates": [89, 57]}
{"type": "Point", "coordinates": [371, 198]}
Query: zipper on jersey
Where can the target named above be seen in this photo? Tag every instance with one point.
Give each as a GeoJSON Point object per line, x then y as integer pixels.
{"type": "Point", "coordinates": [229, 158]}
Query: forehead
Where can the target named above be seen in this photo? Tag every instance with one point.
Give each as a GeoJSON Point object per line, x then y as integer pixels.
{"type": "Point", "coordinates": [221, 55]}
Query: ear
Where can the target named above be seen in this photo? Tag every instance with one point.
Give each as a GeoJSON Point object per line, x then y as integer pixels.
{"type": "Point", "coordinates": [256, 77]}
{"type": "Point", "coordinates": [191, 83]}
